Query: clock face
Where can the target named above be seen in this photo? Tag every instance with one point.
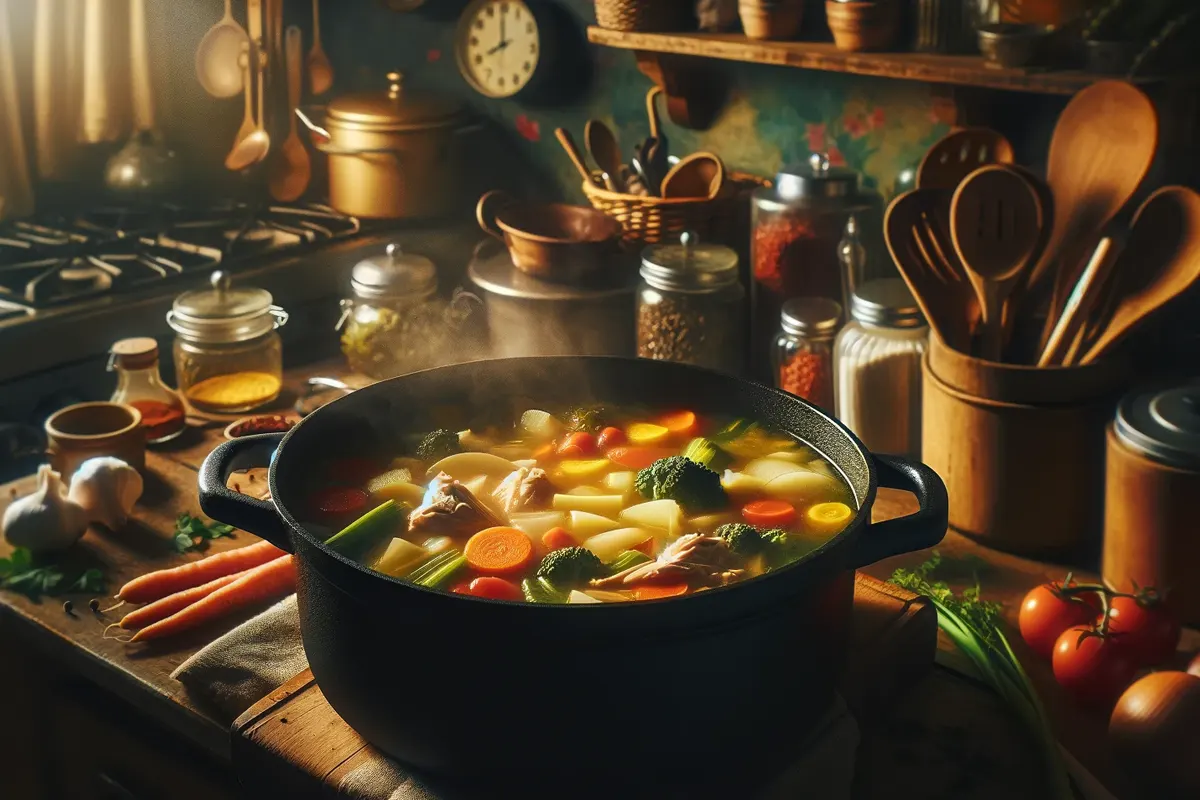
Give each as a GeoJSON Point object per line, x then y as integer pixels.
{"type": "Point", "coordinates": [498, 46]}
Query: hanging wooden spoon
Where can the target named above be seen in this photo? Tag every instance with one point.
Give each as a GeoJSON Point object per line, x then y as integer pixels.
{"type": "Point", "coordinates": [956, 155]}
{"type": "Point", "coordinates": [572, 150]}
{"type": "Point", "coordinates": [1161, 262]}
{"type": "Point", "coordinates": [320, 71]}
{"type": "Point", "coordinates": [996, 224]}
{"type": "Point", "coordinates": [601, 143]}
{"type": "Point", "coordinates": [292, 169]}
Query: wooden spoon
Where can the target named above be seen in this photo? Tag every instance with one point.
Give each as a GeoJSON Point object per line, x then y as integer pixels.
{"type": "Point", "coordinates": [217, 56]}
{"type": "Point", "coordinates": [255, 147]}
{"type": "Point", "coordinates": [956, 155]}
{"type": "Point", "coordinates": [572, 150]}
{"type": "Point", "coordinates": [320, 71]}
{"type": "Point", "coordinates": [292, 170]}
{"type": "Point", "coordinates": [996, 224]}
{"type": "Point", "coordinates": [698, 175]}
{"type": "Point", "coordinates": [1161, 261]}
{"type": "Point", "coordinates": [602, 144]}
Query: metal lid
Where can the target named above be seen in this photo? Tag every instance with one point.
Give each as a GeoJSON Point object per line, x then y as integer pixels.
{"type": "Point", "coordinates": [137, 353]}
{"type": "Point", "coordinates": [224, 314]}
{"type": "Point", "coordinates": [394, 275]}
{"type": "Point", "coordinates": [1163, 424]}
{"type": "Point", "coordinates": [689, 265]}
{"type": "Point", "coordinates": [886, 303]}
{"type": "Point", "coordinates": [811, 317]}
{"type": "Point", "coordinates": [397, 108]}
{"type": "Point", "coordinates": [495, 275]}
{"type": "Point", "coordinates": [817, 178]}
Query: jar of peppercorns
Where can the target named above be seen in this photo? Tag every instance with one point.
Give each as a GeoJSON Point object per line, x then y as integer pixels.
{"type": "Point", "coordinates": [691, 305]}
{"type": "Point", "coordinates": [797, 226]}
{"type": "Point", "coordinates": [803, 351]}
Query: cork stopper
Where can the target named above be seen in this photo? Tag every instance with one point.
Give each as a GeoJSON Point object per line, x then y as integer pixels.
{"type": "Point", "coordinates": [138, 353]}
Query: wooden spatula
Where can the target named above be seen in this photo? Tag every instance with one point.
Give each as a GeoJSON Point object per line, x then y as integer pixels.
{"type": "Point", "coordinates": [996, 222]}
{"type": "Point", "coordinates": [956, 155]}
{"type": "Point", "coordinates": [1161, 261]}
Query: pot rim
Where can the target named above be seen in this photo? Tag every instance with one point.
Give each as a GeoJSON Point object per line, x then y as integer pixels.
{"type": "Point", "coordinates": [844, 539]}
{"type": "Point", "coordinates": [613, 226]}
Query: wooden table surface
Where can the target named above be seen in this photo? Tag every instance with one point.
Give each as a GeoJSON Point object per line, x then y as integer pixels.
{"type": "Point", "coordinates": [141, 674]}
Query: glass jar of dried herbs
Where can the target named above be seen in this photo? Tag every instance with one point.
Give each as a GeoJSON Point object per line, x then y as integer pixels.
{"type": "Point", "coordinates": [691, 305]}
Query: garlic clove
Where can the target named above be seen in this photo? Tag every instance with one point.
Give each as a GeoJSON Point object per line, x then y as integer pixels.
{"type": "Point", "coordinates": [107, 489]}
{"type": "Point", "coordinates": [46, 520]}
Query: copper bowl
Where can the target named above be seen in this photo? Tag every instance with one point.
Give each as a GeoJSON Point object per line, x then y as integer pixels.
{"type": "Point", "coordinates": [552, 241]}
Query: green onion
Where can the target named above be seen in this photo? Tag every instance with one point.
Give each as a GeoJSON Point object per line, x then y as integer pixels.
{"type": "Point", "coordinates": [439, 577]}
{"type": "Point", "coordinates": [360, 535]}
{"type": "Point", "coordinates": [431, 565]}
{"type": "Point", "coordinates": [626, 559]}
{"type": "Point", "coordinates": [540, 590]}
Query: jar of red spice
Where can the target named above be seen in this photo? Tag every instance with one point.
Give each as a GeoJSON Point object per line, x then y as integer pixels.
{"type": "Point", "coordinates": [803, 353]}
{"type": "Point", "coordinates": [139, 385]}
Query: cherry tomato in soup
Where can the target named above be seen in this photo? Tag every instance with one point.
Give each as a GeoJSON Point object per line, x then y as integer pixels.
{"type": "Point", "coordinates": [577, 445]}
{"type": "Point", "coordinates": [1092, 667]}
{"type": "Point", "coordinates": [1147, 630]}
{"type": "Point", "coordinates": [492, 588]}
{"type": "Point", "coordinates": [1047, 611]}
{"type": "Point", "coordinates": [610, 437]}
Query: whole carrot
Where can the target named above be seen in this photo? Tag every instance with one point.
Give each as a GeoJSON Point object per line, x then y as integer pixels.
{"type": "Point", "coordinates": [165, 582]}
{"type": "Point", "coordinates": [264, 582]}
{"type": "Point", "coordinates": [161, 609]}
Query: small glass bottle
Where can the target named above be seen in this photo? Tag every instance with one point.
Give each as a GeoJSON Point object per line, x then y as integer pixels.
{"type": "Point", "coordinates": [803, 352]}
{"type": "Point", "coordinates": [139, 385]}
{"type": "Point", "coordinates": [853, 258]}
{"type": "Point", "coordinates": [877, 363]}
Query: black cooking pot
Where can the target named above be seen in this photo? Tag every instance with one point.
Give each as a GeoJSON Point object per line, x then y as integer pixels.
{"type": "Point", "coordinates": [695, 690]}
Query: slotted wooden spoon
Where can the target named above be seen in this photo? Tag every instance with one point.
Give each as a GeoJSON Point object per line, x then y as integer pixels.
{"type": "Point", "coordinates": [956, 155]}
{"type": "Point", "coordinates": [996, 223]}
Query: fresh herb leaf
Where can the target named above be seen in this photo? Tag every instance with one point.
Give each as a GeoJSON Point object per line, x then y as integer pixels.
{"type": "Point", "coordinates": [91, 581]}
{"type": "Point", "coordinates": [17, 574]}
{"type": "Point", "coordinates": [191, 532]}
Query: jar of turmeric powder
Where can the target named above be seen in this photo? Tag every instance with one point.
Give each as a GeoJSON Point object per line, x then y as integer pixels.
{"type": "Point", "coordinates": [228, 355]}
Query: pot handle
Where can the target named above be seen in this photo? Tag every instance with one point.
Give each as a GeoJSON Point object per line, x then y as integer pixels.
{"type": "Point", "coordinates": [488, 221]}
{"type": "Point", "coordinates": [223, 504]}
{"type": "Point", "coordinates": [322, 140]}
{"type": "Point", "coordinates": [917, 531]}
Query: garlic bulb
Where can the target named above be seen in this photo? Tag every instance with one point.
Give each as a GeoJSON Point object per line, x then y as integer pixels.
{"type": "Point", "coordinates": [45, 521]}
{"type": "Point", "coordinates": [107, 489]}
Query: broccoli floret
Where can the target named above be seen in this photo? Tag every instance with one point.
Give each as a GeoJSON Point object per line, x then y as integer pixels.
{"type": "Point", "coordinates": [693, 486]}
{"type": "Point", "coordinates": [587, 420]}
{"type": "Point", "coordinates": [570, 567]}
{"type": "Point", "coordinates": [707, 454]}
{"type": "Point", "coordinates": [743, 539]}
{"type": "Point", "coordinates": [439, 444]}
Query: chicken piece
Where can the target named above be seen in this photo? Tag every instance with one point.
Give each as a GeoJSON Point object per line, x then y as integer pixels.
{"type": "Point", "coordinates": [449, 509]}
{"type": "Point", "coordinates": [698, 559]}
{"type": "Point", "coordinates": [526, 489]}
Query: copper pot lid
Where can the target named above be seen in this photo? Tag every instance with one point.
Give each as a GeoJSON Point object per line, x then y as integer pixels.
{"type": "Point", "coordinates": [1163, 424]}
{"type": "Point", "coordinates": [396, 109]}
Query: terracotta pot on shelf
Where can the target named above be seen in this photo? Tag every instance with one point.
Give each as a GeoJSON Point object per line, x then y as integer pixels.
{"type": "Point", "coordinates": [771, 19]}
{"type": "Point", "coordinates": [870, 25]}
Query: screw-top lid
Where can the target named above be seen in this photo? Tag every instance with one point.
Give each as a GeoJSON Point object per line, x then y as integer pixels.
{"type": "Point", "coordinates": [886, 303]}
{"type": "Point", "coordinates": [1163, 424]}
{"type": "Point", "coordinates": [689, 265]}
{"type": "Point", "coordinates": [398, 108]}
{"type": "Point", "coordinates": [817, 178]}
{"type": "Point", "coordinates": [811, 317]}
{"type": "Point", "coordinates": [137, 353]}
{"type": "Point", "coordinates": [394, 275]}
{"type": "Point", "coordinates": [224, 314]}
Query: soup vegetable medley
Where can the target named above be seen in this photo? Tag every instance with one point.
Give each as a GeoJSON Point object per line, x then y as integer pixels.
{"type": "Point", "coordinates": [590, 505]}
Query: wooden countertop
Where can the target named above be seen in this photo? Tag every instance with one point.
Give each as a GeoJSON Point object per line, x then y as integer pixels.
{"type": "Point", "coordinates": [141, 675]}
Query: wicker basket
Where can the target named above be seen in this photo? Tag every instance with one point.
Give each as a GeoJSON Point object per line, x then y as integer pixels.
{"type": "Point", "coordinates": [646, 16]}
{"type": "Point", "coordinates": [650, 220]}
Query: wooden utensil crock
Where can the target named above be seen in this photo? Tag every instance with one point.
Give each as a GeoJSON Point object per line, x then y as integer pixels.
{"type": "Point", "coordinates": [1149, 511]}
{"type": "Point", "coordinates": [1020, 449]}
{"type": "Point", "coordinates": [90, 430]}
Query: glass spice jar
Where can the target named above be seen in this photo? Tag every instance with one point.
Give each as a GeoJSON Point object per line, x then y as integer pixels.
{"type": "Point", "coordinates": [395, 323]}
{"type": "Point", "coordinates": [803, 351]}
{"type": "Point", "coordinates": [135, 361]}
{"type": "Point", "coordinates": [228, 355]}
{"type": "Point", "coordinates": [877, 364]}
{"type": "Point", "coordinates": [691, 305]}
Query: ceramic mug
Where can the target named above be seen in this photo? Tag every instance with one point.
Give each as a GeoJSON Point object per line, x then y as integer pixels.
{"type": "Point", "coordinates": [89, 430]}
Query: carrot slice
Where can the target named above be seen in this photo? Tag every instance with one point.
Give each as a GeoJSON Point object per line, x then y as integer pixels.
{"type": "Point", "coordinates": [769, 513]}
{"type": "Point", "coordinates": [638, 457]}
{"type": "Point", "coordinates": [165, 582]}
{"type": "Point", "coordinates": [558, 538]}
{"type": "Point", "coordinates": [499, 551]}
{"type": "Point", "coordinates": [262, 583]}
{"type": "Point", "coordinates": [660, 592]}
{"type": "Point", "coordinates": [680, 423]}
{"type": "Point", "coordinates": [161, 609]}
{"type": "Point", "coordinates": [578, 445]}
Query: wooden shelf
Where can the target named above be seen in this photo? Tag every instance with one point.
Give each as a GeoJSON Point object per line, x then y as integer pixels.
{"type": "Point", "coordinates": [955, 70]}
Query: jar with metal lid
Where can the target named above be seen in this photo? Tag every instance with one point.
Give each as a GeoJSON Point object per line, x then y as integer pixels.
{"type": "Point", "coordinates": [228, 355]}
{"type": "Point", "coordinates": [1152, 480]}
{"type": "Point", "coordinates": [139, 385]}
{"type": "Point", "coordinates": [392, 153]}
{"type": "Point", "coordinates": [877, 363]}
{"type": "Point", "coordinates": [395, 322]}
{"type": "Point", "coordinates": [691, 305]}
{"type": "Point", "coordinates": [803, 351]}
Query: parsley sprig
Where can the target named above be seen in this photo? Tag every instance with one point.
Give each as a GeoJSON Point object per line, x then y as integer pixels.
{"type": "Point", "coordinates": [19, 574]}
{"type": "Point", "coordinates": [192, 532]}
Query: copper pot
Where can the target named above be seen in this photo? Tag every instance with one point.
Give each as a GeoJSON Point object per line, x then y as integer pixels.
{"type": "Point", "coordinates": [392, 154]}
{"type": "Point", "coordinates": [554, 241]}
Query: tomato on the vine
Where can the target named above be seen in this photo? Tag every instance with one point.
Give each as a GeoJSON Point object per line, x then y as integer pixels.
{"type": "Point", "coordinates": [1047, 611]}
{"type": "Point", "coordinates": [1147, 629]}
{"type": "Point", "coordinates": [1092, 666]}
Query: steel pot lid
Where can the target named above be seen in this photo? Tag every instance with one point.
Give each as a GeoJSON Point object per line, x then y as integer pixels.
{"type": "Point", "coordinates": [224, 314]}
{"type": "Point", "coordinates": [395, 274]}
{"type": "Point", "coordinates": [689, 265]}
{"type": "Point", "coordinates": [1163, 424]}
{"type": "Point", "coordinates": [817, 178]}
{"type": "Point", "coordinates": [811, 317]}
{"type": "Point", "coordinates": [886, 303]}
{"type": "Point", "coordinates": [396, 109]}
